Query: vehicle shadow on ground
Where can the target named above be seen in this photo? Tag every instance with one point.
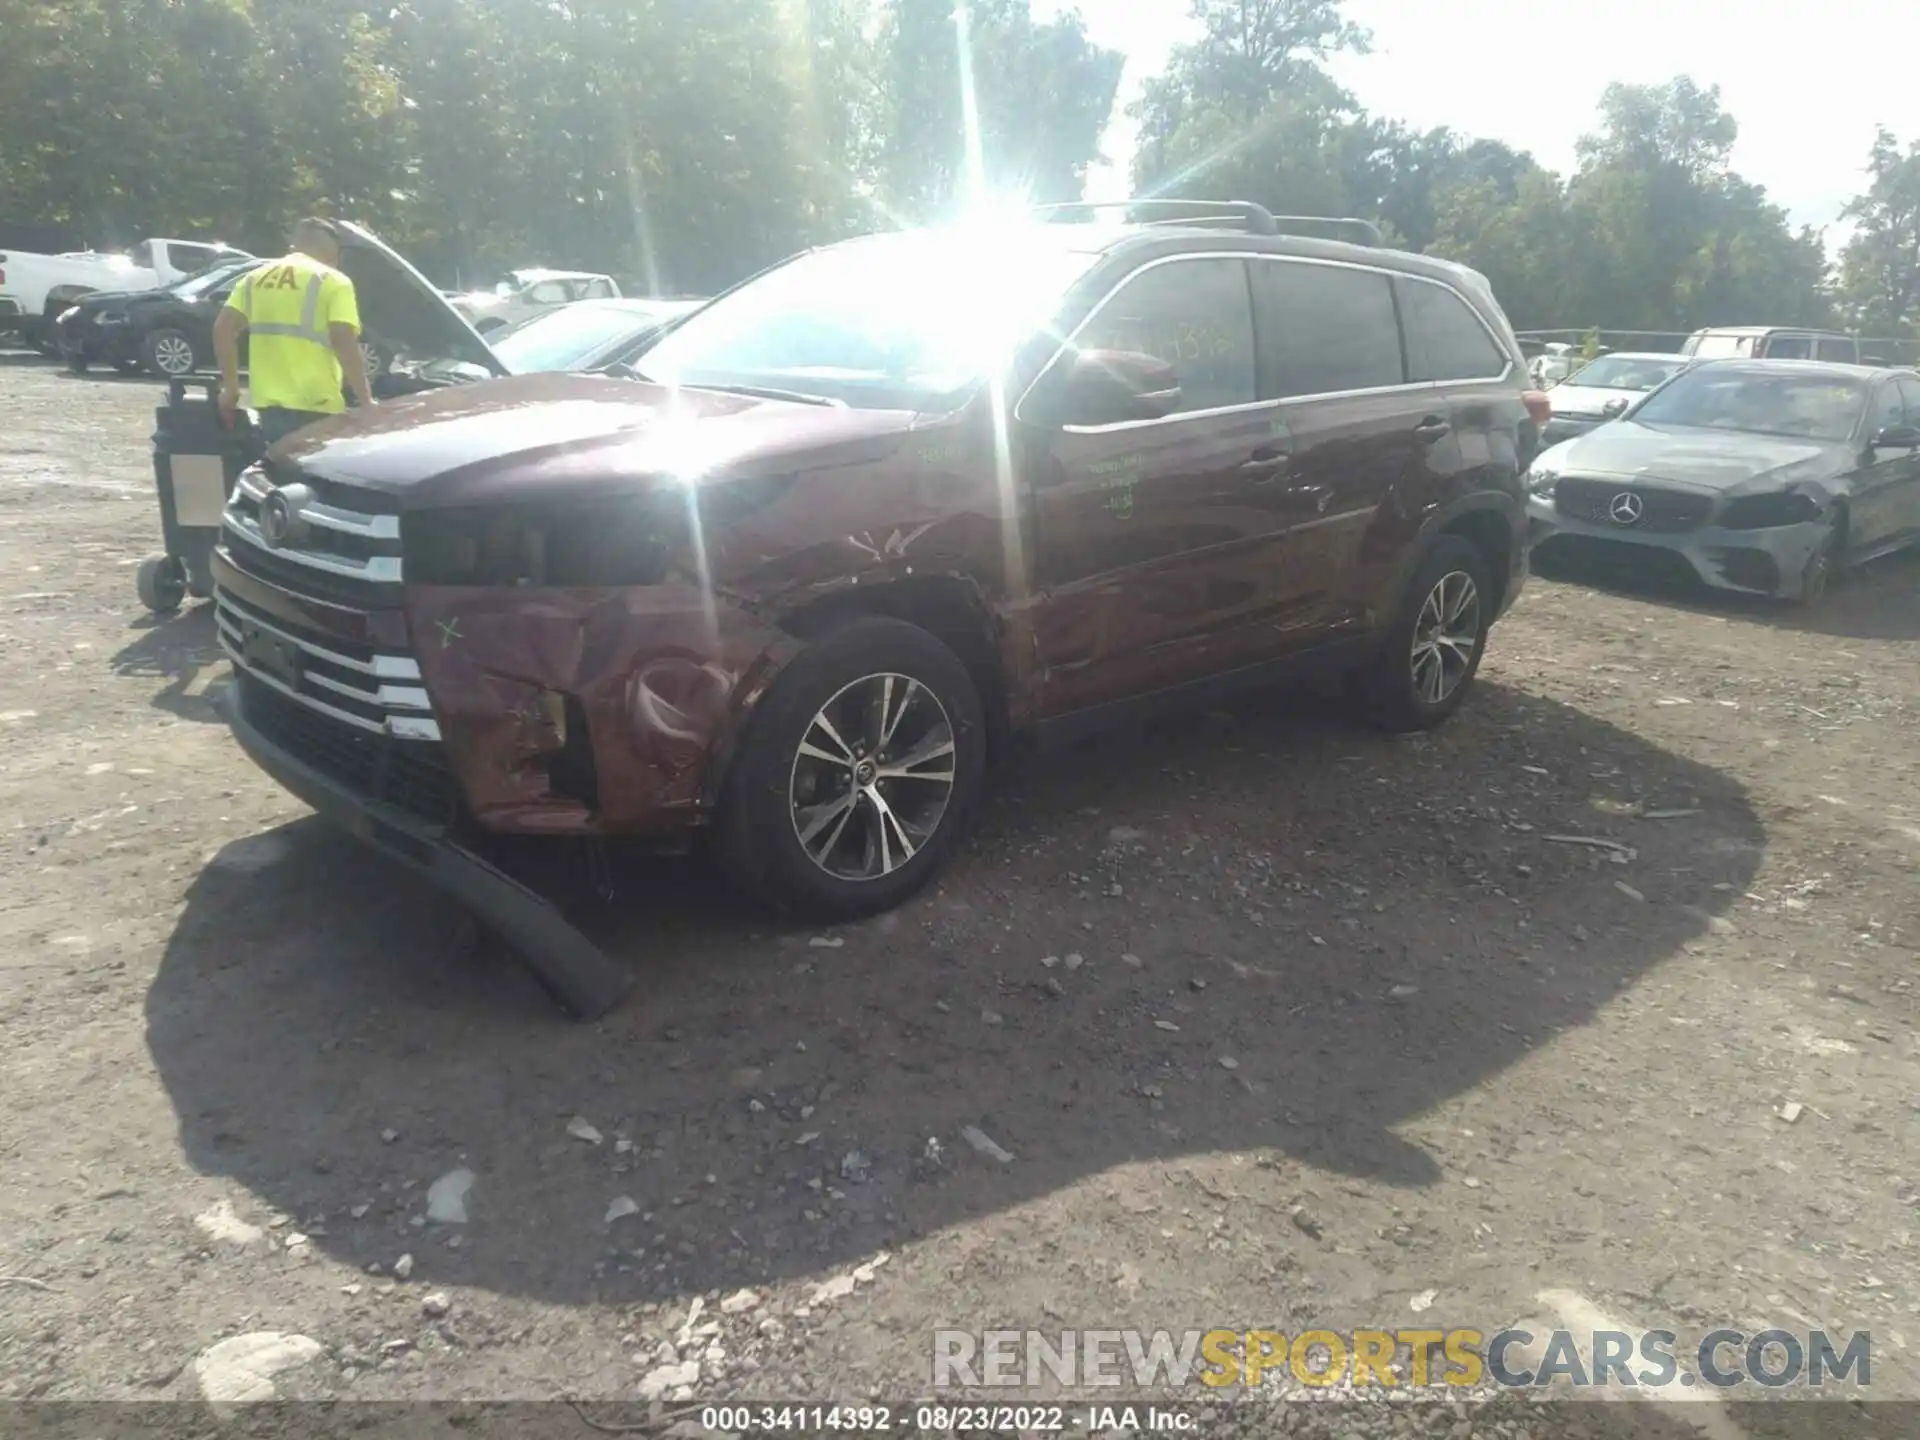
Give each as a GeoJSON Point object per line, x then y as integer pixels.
{"type": "Point", "coordinates": [180, 649]}
{"type": "Point", "coordinates": [1366, 926]}
{"type": "Point", "coordinates": [1878, 601]}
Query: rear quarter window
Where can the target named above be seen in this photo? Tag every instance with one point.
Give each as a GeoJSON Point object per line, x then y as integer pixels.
{"type": "Point", "coordinates": [1324, 329]}
{"type": "Point", "coordinates": [1445, 338]}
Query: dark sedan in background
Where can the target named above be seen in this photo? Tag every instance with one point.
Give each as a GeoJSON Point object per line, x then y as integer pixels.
{"type": "Point", "coordinates": [168, 331]}
{"type": "Point", "coordinates": [1763, 476]}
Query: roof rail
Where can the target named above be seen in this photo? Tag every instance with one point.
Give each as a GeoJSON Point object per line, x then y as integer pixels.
{"type": "Point", "coordinates": [1349, 228]}
{"type": "Point", "coordinates": [1255, 218]}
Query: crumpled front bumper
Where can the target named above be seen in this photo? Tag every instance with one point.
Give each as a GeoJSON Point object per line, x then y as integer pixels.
{"type": "Point", "coordinates": [573, 969]}
{"type": "Point", "coordinates": [1752, 562]}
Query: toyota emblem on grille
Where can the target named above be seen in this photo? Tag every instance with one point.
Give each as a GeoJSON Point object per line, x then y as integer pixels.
{"type": "Point", "coordinates": [280, 519]}
{"type": "Point", "coordinates": [1626, 508]}
{"type": "Point", "coordinates": [276, 518]}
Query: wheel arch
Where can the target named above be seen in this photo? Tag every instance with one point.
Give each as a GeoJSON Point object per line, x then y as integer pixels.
{"type": "Point", "coordinates": [1493, 523]}
{"type": "Point", "coordinates": [952, 608]}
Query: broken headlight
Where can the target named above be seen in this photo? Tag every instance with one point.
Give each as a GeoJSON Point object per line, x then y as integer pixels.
{"type": "Point", "coordinates": [618, 542]}
{"type": "Point", "coordinates": [1769, 511]}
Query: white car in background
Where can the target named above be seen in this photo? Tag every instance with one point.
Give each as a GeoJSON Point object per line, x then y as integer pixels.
{"type": "Point", "coordinates": [1601, 391]}
{"type": "Point", "coordinates": [524, 293]}
{"type": "Point", "coordinates": [35, 289]}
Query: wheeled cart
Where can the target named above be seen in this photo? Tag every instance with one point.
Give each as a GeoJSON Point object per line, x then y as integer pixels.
{"type": "Point", "coordinates": [196, 460]}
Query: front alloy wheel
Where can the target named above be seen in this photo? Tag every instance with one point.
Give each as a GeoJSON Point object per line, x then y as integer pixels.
{"type": "Point", "coordinates": [857, 774]}
{"type": "Point", "coordinates": [1445, 637]}
{"type": "Point", "coordinates": [872, 777]}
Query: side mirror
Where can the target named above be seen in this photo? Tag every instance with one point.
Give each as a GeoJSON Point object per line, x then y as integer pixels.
{"type": "Point", "coordinates": [1110, 387]}
{"type": "Point", "coordinates": [1615, 406]}
{"type": "Point", "coordinates": [1897, 437]}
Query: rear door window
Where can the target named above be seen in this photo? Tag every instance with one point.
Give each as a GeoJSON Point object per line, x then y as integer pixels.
{"type": "Point", "coordinates": [1324, 329]}
{"type": "Point", "coordinates": [1445, 339]}
{"type": "Point", "coordinates": [1193, 314]}
{"type": "Point", "coordinates": [1789, 347]}
{"type": "Point", "coordinates": [1842, 350]}
{"type": "Point", "coordinates": [548, 292]}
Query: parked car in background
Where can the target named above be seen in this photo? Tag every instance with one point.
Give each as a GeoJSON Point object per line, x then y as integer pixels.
{"type": "Point", "coordinates": [1601, 391]}
{"type": "Point", "coordinates": [167, 331]}
{"type": "Point", "coordinates": [35, 289]}
{"type": "Point", "coordinates": [1554, 364]}
{"type": "Point", "coordinates": [1771, 342]}
{"type": "Point", "coordinates": [864, 515]}
{"type": "Point", "coordinates": [524, 292]}
{"type": "Point", "coordinates": [1760, 476]}
{"type": "Point", "coordinates": [586, 335]}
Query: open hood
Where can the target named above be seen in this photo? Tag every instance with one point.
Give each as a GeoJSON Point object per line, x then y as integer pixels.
{"type": "Point", "coordinates": [398, 306]}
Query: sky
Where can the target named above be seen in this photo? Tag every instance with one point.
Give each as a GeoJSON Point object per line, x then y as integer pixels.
{"type": "Point", "coordinates": [1807, 80]}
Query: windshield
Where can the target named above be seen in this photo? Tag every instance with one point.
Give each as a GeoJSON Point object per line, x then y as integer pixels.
{"type": "Point", "coordinates": [560, 339]}
{"type": "Point", "coordinates": [1621, 372]}
{"type": "Point", "coordinates": [1750, 399]}
{"type": "Point", "coordinates": [201, 281]}
{"type": "Point", "coordinates": [908, 321]}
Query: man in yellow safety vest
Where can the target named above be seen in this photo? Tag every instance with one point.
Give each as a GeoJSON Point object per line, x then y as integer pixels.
{"type": "Point", "coordinates": [303, 327]}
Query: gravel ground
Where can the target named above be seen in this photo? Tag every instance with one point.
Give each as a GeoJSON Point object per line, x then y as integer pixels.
{"type": "Point", "coordinates": [1284, 1024]}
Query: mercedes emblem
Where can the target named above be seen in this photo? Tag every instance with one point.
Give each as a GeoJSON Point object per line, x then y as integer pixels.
{"type": "Point", "coordinates": [1626, 508]}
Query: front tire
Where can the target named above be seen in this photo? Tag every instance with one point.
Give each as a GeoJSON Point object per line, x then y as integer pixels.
{"type": "Point", "coordinates": [858, 775]}
{"type": "Point", "coordinates": [1432, 651]}
{"type": "Point", "coordinates": [169, 354]}
{"type": "Point", "coordinates": [1822, 567]}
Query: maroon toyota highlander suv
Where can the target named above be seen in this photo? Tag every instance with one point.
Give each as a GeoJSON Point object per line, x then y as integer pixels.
{"type": "Point", "coordinates": [859, 520]}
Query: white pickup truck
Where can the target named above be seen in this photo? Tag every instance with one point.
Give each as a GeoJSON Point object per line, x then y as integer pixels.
{"type": "Point", "coordinates": [34, 289]}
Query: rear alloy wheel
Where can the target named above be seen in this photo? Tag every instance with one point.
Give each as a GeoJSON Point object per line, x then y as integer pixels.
{"type": "Point", "coordinates": [858, 774]}
{"type": "Point", "coordinates": [169, 354]}
{"type": "Point", "coordinates": [1431, 653]}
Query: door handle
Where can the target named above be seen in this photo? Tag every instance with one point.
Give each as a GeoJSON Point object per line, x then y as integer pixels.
{"type": "Point", "coordinates": [1432, 428]}
{"type": "Point", "coordinates": [1266, 462]}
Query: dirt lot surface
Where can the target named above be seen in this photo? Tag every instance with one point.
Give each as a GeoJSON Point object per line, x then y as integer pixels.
{"type": "Point", "coordinates": [1284, 1024]}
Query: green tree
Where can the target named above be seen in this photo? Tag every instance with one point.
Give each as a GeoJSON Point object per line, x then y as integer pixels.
{"type": "Point", "coordinates": [1247, 111]}
{"type": "Point", "coordinates": [1880, 266]}
{"type": "Point", "coordinates": [1023, 103]}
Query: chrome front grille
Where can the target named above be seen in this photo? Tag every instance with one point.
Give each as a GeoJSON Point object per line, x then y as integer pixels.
{"type": "Point", "coordinates": [329, 536]}
{"type": "Point", "coordinates": [378, 693]}
{"type": "Point", "coordinates": [1653, 509]}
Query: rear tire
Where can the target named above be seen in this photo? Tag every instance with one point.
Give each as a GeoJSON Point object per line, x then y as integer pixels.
{"type": "Point", "coordinates": [1432, 650]}
{"type": "Point", "coordinates": [799, 827]}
